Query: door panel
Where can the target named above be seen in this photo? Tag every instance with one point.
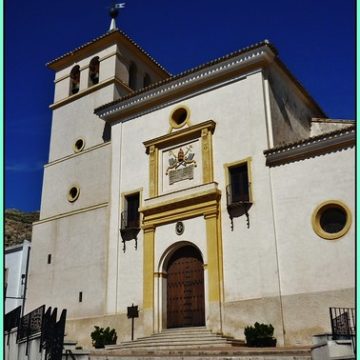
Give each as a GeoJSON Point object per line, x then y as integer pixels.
{"type": "Point", "coordinates": [185, 289]}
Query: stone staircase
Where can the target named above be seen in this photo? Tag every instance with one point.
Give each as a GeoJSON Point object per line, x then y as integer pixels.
{"type": "Point", "coordinates": [73, 352]}
{"type": "Point", "coordinates": [196, 343]}
{"type": "Point", "coordinates": [183, 338]}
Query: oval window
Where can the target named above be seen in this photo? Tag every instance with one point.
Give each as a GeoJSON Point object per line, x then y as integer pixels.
{"type": "Point", "coordinates": [79, 145]}
{"type": "Point", "coordinates": [179, 117]}
{"type": "Point", "coordinates": [73, 193]}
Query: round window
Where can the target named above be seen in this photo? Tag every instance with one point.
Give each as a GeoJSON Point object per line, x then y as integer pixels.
{"type": "Point", "coordinates": [179, 117]}
{"type": "Point", "coordinates": [331, 220]}
{"type": "Point", "coordinates": [79, 145]}
{"type": "Point", "coordinates": [73, 193]}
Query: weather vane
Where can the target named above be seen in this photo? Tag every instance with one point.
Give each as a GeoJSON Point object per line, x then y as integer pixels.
{"type": "Point", "coordinates": [114, 12]}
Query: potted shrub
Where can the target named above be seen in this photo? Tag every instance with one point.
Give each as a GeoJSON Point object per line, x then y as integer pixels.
{"type": "Point", "coordinates": [101, 337]}
{"type": "Point", "coordinates": [260, 335]}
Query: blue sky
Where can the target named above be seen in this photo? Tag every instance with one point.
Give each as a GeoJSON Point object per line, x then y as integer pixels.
{"type": "Point", "coordinates": [315, 39]}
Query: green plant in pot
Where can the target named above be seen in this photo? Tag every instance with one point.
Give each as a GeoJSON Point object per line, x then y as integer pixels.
{"type": "Point", "coordinates": [260, 335]}
{"type": "Point", "coordinates": [101, 337]}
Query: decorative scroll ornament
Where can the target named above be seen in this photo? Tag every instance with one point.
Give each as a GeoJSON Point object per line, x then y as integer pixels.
{"type": "Point", "coordinates": [181, 166]}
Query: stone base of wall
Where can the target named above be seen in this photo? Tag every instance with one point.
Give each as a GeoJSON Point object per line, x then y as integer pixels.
{"type": "Point", "coordinates": [296, 318]}
{"type": "Point", "coordinates": [80, 329]}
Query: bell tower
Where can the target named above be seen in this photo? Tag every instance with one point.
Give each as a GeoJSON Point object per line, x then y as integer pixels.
{"type": "Point", "coordinates": [74, 215]}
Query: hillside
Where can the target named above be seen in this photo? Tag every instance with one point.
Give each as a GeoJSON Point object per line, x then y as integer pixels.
{"type": "Point", "coordinates": [18, 226]}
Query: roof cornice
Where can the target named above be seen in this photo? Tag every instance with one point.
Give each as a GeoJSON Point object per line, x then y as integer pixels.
{"type": "Point", "coordinates": [239, 62]}
{"type": "Point", "coordinates": [111, 37]}
{"type": "Point", "coordinates": [313, 146]}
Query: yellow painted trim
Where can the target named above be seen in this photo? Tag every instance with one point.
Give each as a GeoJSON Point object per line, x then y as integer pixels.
{"type": "Point", "coordinates": [153, 171]}
{"type": "Point", "coordinates": [221, 256]}
{"type": "Point", "coordinates": [204, 130]}
{"type": "Point", "coordinates": [204, 203]}
{"type": "Point", "coordinates": [207, 156]}
{"type": "Point", "coordinates": [149, 257]}
{"type": "Point", "coordinates": [315, 219]}
{"type": "Point", "coordinates": [174, 124]}
{"type": "Point", "coordinates": [213, 257]}
{"type": "Point", "coordinates": [228, 166]}
{"type": "Point", "coordinates": [180, 136]}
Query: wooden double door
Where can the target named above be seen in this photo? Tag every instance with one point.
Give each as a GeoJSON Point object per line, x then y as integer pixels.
{"type": "Point", "coordinates": [185, 289]}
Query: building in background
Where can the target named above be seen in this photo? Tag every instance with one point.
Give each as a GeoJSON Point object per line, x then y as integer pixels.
{"type": "Point", "coordinates": [218, 197]}
{"type": "Point", "coordinates": [16, 270]}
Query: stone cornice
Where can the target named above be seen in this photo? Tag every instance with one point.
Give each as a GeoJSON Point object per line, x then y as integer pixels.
{"type": "Point", "coordinates": [186, 83]}
{"type": "Point", "coordinates": [69, 213]}
{"type": "Point", "coordinates": [89, 90]}
{"type": "Point", "coordinates": [203, 201]}
{"type": "Point", "coordinates": [85, 151]}
{"type": "Point", "coordinates": [317, 145]}
{"type": "Point", "coordinates": [180, 135]}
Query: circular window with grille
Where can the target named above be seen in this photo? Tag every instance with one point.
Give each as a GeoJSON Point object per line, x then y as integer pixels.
{"type": "Point", "coordinates": [73, 193]}
{"type": "Point", "coordinates": [331, 219]}
{"type": "Point", "coordinates": [179, 117]}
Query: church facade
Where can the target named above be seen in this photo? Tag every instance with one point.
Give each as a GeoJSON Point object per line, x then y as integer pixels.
{"type": "Point", "coordinates": [218, 197]}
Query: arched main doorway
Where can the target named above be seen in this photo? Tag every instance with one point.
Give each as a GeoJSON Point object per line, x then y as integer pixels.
{"type": "Point", "coordinates": [185, 288]}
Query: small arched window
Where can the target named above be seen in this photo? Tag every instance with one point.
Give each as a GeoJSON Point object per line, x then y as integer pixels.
{"type": "Point", "coordinates": [75, 80]}
{"type": "Point", "coordinates": [132, 75]}
{"type": "Point", "coordinates": [147, 80]}
{"type": "Point", "coordinates": [94, 71]}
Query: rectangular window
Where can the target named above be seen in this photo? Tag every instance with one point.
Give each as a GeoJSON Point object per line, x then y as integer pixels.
{"type": "Point", "coordinates": [238, 187]}
{"type": "Point", "coordinates": [131, 215]}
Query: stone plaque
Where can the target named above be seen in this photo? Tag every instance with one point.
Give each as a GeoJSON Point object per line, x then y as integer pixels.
{"type": "Point", "coordinates": [181, 174]}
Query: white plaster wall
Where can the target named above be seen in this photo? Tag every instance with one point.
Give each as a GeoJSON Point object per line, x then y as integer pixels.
{"type": "Point", "coordinates": [165, 237]}
{"type": "Point", "coordinates": [77, 120]}
{"type": "Point", "coordinates": [90, 171]}
{"type": "Point", "coordinates": [309, 263]}
{"type": "Point", "coordinates": [142, 65]}
{"type": "Point", "coordinates": [77, 245]}
{"type": "Point", "coordinates": [239, 113]}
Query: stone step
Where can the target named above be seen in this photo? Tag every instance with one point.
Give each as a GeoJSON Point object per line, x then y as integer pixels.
{"type": "Point", "coordinates": [176, 345]}
{"type": "Point", "coordinates": [237, 353]}
{"type": "Point", "coordinates": [184, 338]}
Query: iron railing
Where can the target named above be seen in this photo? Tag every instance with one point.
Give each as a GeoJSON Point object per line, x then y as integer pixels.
{"type": "Point", "coordinates": [343, 322]}
{"type": "Point", "coordinates": [30, 324]}
{"type": "Point", "coordinates": [52, 334]}
{"type": "Point", "coordinates": [129, 228]}
{"type": "Point", "coordinates": [129, 222]}
{"type": "Point", "coordinates": [234, 196]}
{"type": "Point", "coordinates": [12, 319]}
